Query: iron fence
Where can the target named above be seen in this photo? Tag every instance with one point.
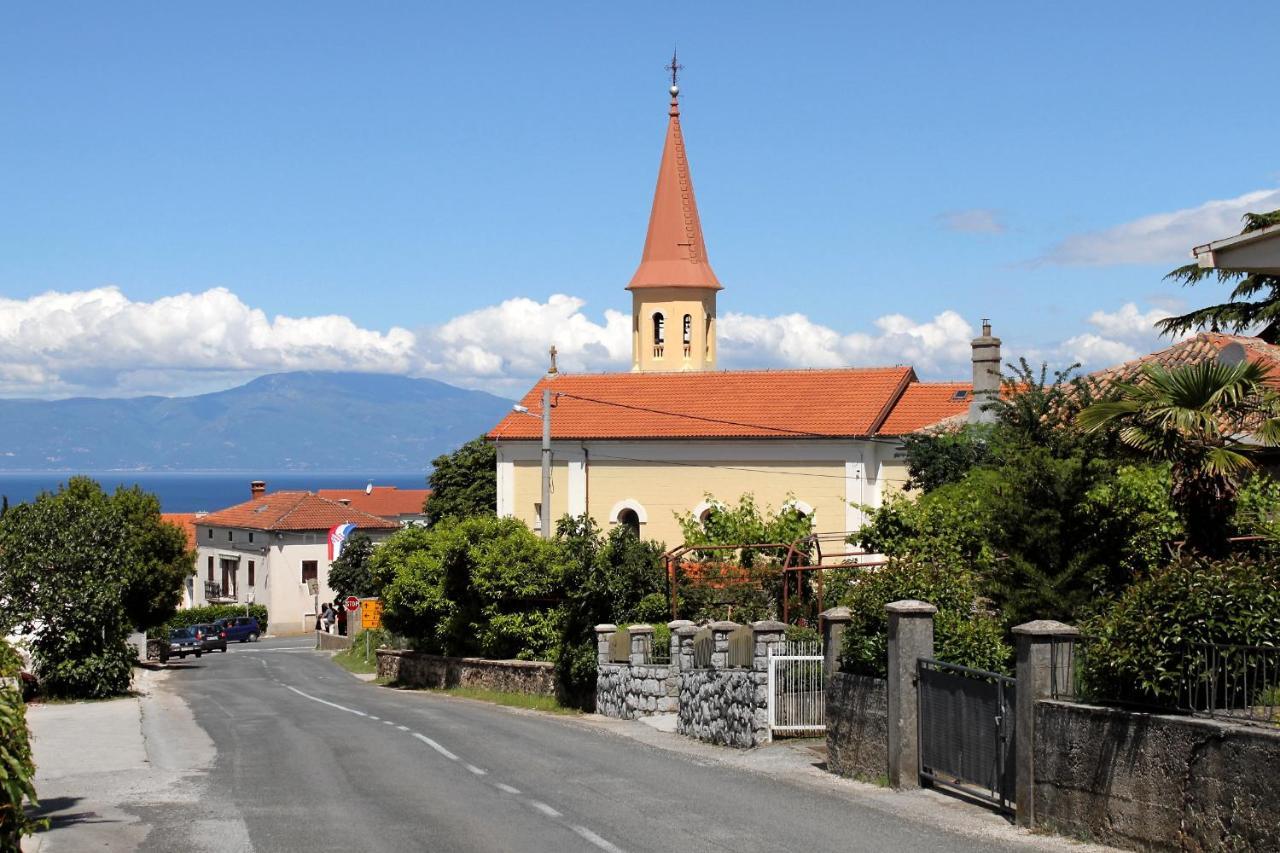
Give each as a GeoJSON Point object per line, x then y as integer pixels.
{"type": "Point", "coordinates": [1225, 681]}
{"type": "Point", "coordinates": [657, 653]}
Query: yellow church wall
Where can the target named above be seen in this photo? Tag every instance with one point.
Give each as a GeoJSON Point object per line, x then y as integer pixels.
{"type": "Point", "coordinates": [528, 491]}
{"type": "Point", "coordinates": [665, 491]}
{"type": "Point", "coordinates": [893, 478]}
{"type": "Point", "coordinates": [673, 304]}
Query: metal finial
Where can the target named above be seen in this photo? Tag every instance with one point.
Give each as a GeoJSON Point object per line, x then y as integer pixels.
{"type": "Point", "coordinates": [675, 68]}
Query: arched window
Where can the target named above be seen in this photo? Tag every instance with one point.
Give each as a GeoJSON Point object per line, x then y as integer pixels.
{"type": "Point", "coordinates": [659, 333]}
{"type": "Point", "coordinates": [706, 340]}
{"type": "Point", "coordinates": [629, 519]}
{"type": "Point", "coordinates": [688, 335]}
{"type": "Point", "coordinates": [706, 509]}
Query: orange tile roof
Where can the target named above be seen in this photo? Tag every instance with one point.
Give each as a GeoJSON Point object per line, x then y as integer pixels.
{"type": "Point", "coordinates": [294, 511]}
{"type": "Point", "coordinates": [185, 520]}
{"type": "Point", "coordinates": [1193, 350]}
{"type": "Point", "coordinates": [841, 403]}
{"type": "Point", "coordinates": [925, 404]}
{"type": "Point", "coordinates": [385, 501]}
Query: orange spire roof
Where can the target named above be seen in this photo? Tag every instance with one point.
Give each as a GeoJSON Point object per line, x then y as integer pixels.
{"type": "Point", "coordinates": [674, 254]}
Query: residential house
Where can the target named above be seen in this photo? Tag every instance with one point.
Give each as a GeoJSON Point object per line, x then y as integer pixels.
{"type": "Point", "coordinates": [274, 549]}
{"type": "Point", "coordinates": [406, 506]}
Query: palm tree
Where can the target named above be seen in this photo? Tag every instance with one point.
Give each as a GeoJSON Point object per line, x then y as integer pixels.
{"type": "Point", "coordinates": [1209, 421]}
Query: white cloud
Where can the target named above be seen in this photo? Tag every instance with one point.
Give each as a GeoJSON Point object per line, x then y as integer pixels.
{"type": "Point", "coordinates": [939, 347]}
{"type": "Point", "coordinates": [1161, 238]}
{"type": "Point", "coordinates": [99, 342]}
{"type": "Point", "coordinates": [978, 220]}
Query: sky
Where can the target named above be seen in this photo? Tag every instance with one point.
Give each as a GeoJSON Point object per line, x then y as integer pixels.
{"type": "Point", "coordinates": [195, 194]}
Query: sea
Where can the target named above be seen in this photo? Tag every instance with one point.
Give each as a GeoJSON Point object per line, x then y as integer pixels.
{"type": "Point", "coordinates": [197, 491]}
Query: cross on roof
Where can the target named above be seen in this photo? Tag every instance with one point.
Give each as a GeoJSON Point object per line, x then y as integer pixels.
{"type": "Point", "coordinates": [675, 68]}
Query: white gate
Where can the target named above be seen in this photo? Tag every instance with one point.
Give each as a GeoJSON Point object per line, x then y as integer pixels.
{"type": "Point", "coordinates": [797, 689]}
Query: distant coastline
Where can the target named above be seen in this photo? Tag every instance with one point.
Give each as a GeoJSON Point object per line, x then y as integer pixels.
{"type": "Point", "coordinates": [196, 491]}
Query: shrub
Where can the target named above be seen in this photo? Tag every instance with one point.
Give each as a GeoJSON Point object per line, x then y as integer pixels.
{"type": "Point", "coordinates": [202, 615]}
{"type": "Point", "coordinates": [482, 586]}
{"type": "Point", "coordinates": [17, 770]}
{"type": "Point", "coordinates": [1136, 650]}
{"type": "Point", "coordinates": [963, 633]}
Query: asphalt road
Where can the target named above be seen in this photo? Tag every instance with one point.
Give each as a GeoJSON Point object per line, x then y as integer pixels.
{"type": "Point", "coordinates": [308, 758]}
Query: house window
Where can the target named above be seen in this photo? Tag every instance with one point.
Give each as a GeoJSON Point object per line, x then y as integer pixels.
{"type": "Point", "coordinates": [229, 568]}
{"type": "Point", "coordinates": [630, 519]}
{"type": "Point", "coordinates": [229, 535]}
{"type": "Point", "coordinates": [659, 334]}
{"type": "Point", "coordinates": [210, 533]}
{"type": "Point", "coordinates": [310, 570]}
{"type": "Point", "coordinates": [250, 535]}
{"type": "Point", "coordinates": [537, 517]}
{"type": "Point", "coordinates": [211, 567]}
{"type": "Point", "coordinates": [251, 573]}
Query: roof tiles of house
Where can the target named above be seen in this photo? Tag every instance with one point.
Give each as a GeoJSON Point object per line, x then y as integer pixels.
{"type": "Point", "coordinates": [385, 501]}
{"type": "Point", "coordinates": [294, 511]}
{"type": "Point", "coordinates": [185, 520]}
{"type": "Point", "coordinates": [842, 403]}
{"type": "Point", "coordinates": [1201, 347]}
{"type": "Point", "coordinates": [925, 404]}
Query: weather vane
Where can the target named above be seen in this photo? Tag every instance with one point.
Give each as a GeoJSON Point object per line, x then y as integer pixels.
{"type": "Point", "coordinates": [675, 68]}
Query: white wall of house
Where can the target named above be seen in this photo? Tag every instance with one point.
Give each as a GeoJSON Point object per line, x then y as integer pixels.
{"type": "Point", "coordinates": [278, 561]}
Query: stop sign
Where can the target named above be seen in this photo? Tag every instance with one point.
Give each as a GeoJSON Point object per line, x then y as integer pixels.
{"type": "Point", "coordinates": [353, 603]}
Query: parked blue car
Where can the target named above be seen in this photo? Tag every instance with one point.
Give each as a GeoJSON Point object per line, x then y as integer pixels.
{"type": "Point", "coordinates": [243, 629]}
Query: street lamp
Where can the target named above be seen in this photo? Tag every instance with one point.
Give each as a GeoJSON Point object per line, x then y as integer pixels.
{"type": "Point", "coordinates": [545, 519]}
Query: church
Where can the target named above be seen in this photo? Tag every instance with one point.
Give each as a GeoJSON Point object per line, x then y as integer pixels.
{"type": "Point", "coordinates": [675, 435]}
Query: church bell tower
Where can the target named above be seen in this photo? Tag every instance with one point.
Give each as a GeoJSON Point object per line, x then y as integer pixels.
{"type": "Point", "coordinates": [673, 292]}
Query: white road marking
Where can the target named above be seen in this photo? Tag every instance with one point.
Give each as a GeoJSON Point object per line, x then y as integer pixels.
{"type": "Point", "coordinates": [596, 840]}
{"type": "Point", "coordinates": [477, 770]}
{"type": "Point", "coordinates": [507, 788]}
{"type": "Point", "coordinates": [387, 723]}
{"type": "Point", "coordinates": [403, 728]}
{"type": "Point", "coordinates": [437, 747]}
{"type": "Point", "coordinates": [544, 808]}
{"type": "Point", "coordinates": [326, 702]}
{"type": "Point", "coordinates": [372, 717]}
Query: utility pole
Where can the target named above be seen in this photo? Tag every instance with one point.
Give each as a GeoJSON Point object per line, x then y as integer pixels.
{"type": "Point", "coordinates": [546, 463]}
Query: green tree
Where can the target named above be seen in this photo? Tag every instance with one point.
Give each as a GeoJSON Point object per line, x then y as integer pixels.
{"type": "Point", "coordinates": [475, 586]}
{"type": "Point", "coordinates": [744, 582]}
{"type": "Point", "coordinates": [79, 570]}
{"type": "Point", "coordinates": [350, 574]}
{"type": "Point", "coordinates": [936, 459]}
{"type": "Point", "coordinates": [17, 770]}
{"type": "Point", "coordinates": [1241, 313]}
{"type": "Point", "coordinates": [1208, 421]}
{"type": "Point", "coordinates": [464, 483]}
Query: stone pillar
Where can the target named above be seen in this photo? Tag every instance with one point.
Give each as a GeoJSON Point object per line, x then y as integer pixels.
{"type": "Point", "coordinates": [682, 640]}
{"type": "Point", "coordinates": [720, 632]}
{"type": "Point", "coordinates": [641, 643]}
{"type": "Point", "coordinates": [675, 628]}
{"type": "Point", "coordinates": [833, 621]}
{"type": "Point", "coordinates": [602, 642]}
{"type": "Point", "coordinates": [766, 634]}
{"type": "Point", "coordinates": [1036, 680]}
{"type": "Point", "coordinates": [910, 638]}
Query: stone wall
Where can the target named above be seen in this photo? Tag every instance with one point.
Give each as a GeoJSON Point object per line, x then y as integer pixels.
{"type": "Point", "coordinates": [327, 642]}
{"type": "Point", "coordinates": [627, 691]}
{"type": "Point", "coordinates": [416, 669]}
{"type": "Point", "coordinates": [721, 704]}
{"type": "Point", "coordinates": [724, 706]}
{"type": "Point", "coordinates": [857, 727]}
{"type": "Point", "coordinates": [1153, 782]}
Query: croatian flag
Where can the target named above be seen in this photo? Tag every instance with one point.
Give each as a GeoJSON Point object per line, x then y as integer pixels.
{"type": "Point", "coordinates": [337, 538]}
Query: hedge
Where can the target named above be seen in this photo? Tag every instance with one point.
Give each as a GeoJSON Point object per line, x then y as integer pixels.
{"type": "Point", "coordinates": [16, 768]}
{"type": "Point", "coordinates": [198, 615]}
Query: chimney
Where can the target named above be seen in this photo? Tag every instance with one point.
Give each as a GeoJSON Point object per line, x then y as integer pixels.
{"type": "Point", "coordinates": [986, 375]}
{"type": "Point", "coordinates": [257, 488]}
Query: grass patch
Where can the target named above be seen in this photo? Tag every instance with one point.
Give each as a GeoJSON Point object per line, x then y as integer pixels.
{"type": "Point", "coordinates": [547, 704]}
{"type": "Point", "coordinates": [352, 660]}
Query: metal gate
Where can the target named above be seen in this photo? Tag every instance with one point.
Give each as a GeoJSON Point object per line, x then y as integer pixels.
{"type": "Point", "coordinates": [967, 719]}
{"type": "Point", "coordinates": [797, 689]}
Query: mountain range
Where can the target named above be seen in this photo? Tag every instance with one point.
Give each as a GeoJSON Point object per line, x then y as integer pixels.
{"type": "Point", "coordinates": [302, 421]}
